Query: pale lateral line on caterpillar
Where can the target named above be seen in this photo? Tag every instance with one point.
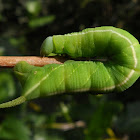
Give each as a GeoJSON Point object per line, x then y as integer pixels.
{"type": "Point", "coordinates": [133, 52]}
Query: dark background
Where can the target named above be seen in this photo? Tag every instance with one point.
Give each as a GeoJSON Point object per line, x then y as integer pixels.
{"type": "Point", "coordinates": [24, 24]}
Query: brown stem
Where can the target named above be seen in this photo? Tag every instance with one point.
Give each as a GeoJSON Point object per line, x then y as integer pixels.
{"type": "Point", "coordinates": [11, 61]}
{"type": "Point", "coordinates": [67, 126]}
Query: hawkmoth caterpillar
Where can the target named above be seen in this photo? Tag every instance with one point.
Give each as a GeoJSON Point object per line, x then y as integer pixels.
{"type": "Point", "coordinates": [116, 66]}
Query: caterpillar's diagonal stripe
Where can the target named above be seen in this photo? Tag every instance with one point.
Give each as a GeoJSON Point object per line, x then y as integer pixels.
{"type": "Point", "coordinates": [39, 82]}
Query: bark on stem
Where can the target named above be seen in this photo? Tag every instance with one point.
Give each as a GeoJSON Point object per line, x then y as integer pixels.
{"type": "Point", "coordinates": [11, 61]}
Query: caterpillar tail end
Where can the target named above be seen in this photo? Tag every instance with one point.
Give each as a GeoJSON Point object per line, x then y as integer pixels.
{"type": "Point", "coordinates": [47, 46]}
{"type": "Point", "coordinates": [14, 102]}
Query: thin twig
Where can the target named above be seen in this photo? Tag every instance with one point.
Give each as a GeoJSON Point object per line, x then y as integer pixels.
{"type": "Point", "coordinates": [67, 126]}
{"type": "Point", "coordinates": [11, 61]}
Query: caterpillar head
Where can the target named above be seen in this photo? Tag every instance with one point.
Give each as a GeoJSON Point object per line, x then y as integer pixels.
{"type": "Point", "coordinates": [47, 46]}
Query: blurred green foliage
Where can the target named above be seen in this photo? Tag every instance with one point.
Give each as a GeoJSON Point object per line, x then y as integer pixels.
{"type": "Point", "coordinates": [23, 27]}
{"type": "Point", "coordinates": [7, 87]}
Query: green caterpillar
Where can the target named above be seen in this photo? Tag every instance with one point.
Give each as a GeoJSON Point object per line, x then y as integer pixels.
{"type": "Point", "coordinates": [116, 67]}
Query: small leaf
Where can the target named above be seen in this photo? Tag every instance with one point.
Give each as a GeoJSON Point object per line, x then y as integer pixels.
{"type": "Point", "coordinates": [14, 129]}
{"type": "Point", "coordinates": [37, 22]}
{"type": "Point", "coordinates": [7, 87]}
{"type": "Point", "coordinates": [33, 7]}
{"type": "Point", "coordinates": [102, 119]}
